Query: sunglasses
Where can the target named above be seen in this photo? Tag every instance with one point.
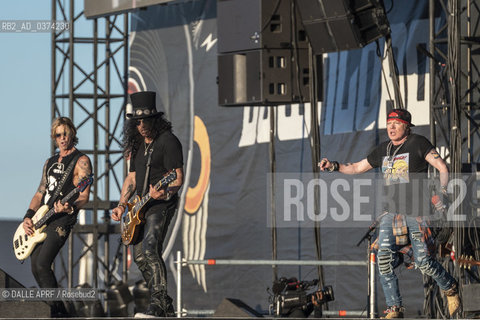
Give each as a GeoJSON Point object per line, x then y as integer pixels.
{"type": "Point", "coordinates": [58, 135]}
{"type": "Point", "coordinates": [139, 122]}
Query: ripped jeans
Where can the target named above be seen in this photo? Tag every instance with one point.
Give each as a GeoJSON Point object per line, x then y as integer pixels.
{"type": "Point", "coordinates": [388, 258]}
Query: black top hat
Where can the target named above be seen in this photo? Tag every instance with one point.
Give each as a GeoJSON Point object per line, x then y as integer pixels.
{"type": "Point", "coordinates": [143, 105]}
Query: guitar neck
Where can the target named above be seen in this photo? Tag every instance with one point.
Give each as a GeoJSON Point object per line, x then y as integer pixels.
{"type": "Point", "coordinates": [51, 212]}
{"type": "Point", "coordinates": [147, 197]}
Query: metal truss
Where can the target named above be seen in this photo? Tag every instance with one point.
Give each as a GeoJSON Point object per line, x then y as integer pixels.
{"type": "Point", "coordinates": [455, 114]}
{"type": "Point", "coordinates": [454, 79]}
{"type": "Point", "coordinates": [89, 85]}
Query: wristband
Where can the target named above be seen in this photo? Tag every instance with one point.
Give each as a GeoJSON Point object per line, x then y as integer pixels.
{"type": "Point", "coordinates": [443, 189]}
{"type": "Point", "coordinates": [169, 194]}
{"type": "Point", "coordinates": [334, 167]}
{"type": "Point", "coordinates": [30, 213]}
{"type": "Point", "coordinates": [74, 208]}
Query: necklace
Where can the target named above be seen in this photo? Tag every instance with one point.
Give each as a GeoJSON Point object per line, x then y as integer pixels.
{"type": "Point", "coordinates": [147, 146]}
{"type": "Point", "coordinates": [389, 148]}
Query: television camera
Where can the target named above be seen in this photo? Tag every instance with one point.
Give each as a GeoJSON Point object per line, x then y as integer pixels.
{"type": "Point", "coordinates": [291, 297]}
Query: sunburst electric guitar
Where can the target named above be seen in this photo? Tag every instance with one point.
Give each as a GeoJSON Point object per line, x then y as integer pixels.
{"type": "Point", "coordinates": [24, 244]}
{"type": "Point", "coordinates": [135, 218]}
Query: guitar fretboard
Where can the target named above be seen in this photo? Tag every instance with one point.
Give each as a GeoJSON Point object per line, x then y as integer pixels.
{"type": "Point", "coordinates": [51, 212]}
{"type": "Point", "coordinates": [164, 181]}
{"type": "Point", "coordinates": [79, 188]}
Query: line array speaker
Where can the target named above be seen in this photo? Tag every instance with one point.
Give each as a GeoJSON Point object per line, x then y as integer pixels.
{"type": "Point", "coordinates": [257, 24]}
{"type": "Point", "coordinates": [263, 53]}
{"type": "Point", "coordinates": [335, 25]}
{"type": "Point", "coordinates": [263, 77]}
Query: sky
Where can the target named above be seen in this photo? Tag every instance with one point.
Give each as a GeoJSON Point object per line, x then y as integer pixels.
{"type": "Point", "coordinates": [25, 105]}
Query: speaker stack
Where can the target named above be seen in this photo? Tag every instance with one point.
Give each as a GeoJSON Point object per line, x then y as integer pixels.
{"type": "Point", "coordinates": [336, 25]}
{"type": "Point", "coordinates": [263, 44]}
{"type": "Point", "coordinates": [262, 53]}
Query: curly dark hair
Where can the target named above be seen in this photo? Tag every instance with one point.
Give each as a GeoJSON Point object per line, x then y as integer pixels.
{"type": "Point", "coordinates": [132, 139]}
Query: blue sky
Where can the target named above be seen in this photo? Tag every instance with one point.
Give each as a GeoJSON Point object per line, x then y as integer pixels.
{"type": "Point", "coordinates": [25, 105]}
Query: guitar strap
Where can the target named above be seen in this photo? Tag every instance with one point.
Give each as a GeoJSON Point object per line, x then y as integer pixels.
{"type": "Point", "coordinates": [64, 178]}
{"type": "Point", "coordinates": [147, 171]}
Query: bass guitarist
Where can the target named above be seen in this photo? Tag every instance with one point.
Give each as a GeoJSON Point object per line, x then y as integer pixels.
{"type": "Point", "coordinates": [148, 138]}
{"type": "Point", "coordinates": [61, 174]}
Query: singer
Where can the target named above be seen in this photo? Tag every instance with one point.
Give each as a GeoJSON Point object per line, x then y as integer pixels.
{"type": "Point", "coordinates": [403, 155]}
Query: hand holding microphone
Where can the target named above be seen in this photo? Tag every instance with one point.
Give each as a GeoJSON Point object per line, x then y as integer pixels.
{"type": "Point", "coordinates": [438, 203]}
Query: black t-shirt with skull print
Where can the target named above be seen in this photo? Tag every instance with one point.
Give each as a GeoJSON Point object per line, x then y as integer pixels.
{"type": "Point", "coordinates": [54, 171]}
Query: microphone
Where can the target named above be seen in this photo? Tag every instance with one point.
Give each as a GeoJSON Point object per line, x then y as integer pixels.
{"type": "Point", "coordinates": [438, 203]}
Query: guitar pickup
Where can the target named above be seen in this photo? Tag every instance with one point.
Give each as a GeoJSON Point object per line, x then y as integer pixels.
{"type": "Point", "coordinates": [21, 242]}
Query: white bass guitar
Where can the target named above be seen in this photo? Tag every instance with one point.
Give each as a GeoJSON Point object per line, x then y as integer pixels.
{"type": "Point", "coordinates": [24, 244]}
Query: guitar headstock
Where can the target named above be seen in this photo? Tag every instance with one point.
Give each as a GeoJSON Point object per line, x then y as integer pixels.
{"type": "Point", "coordinates": [467, 262]}
{"type": "Point", "coordinates": [85, 182]}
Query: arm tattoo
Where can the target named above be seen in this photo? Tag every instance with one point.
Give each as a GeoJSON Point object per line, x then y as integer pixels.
{"type": "Point", "coordinates": [43, 183]}
{"type": "Point", "coordinates": [85, 166]}
{"type": "Point", "coordinates": [84, 169]}
{"type": "Point", "coordinates": [129, 192]}
{"type": "Point", "coordinates": [435, 154]}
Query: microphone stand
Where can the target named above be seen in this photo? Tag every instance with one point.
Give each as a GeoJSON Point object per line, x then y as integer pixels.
{"type": "Point", "coordinates": [372, 299]}
{"type": "Point", "coordinates": [372, 228]}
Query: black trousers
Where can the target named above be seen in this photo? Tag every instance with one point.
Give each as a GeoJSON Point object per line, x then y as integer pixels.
{"type": "Point", "coordinates": [45, 252]}
{"type": "Point", "coordinates": [148, 252]}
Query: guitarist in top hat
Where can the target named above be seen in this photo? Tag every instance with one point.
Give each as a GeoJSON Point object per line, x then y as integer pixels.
{"type": "Point", "coordinates": [61, 174]}
{"type": "Point", "coordinates": [148, 135]}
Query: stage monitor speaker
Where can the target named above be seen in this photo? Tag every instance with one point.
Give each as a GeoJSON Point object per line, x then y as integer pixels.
{"type": "Point", "coordinates": [263, 77]}
{"type": "Point", "coordinates": [7, 281]}
{"type": "Point", "coordinates": [20, 309]}
{"type": "Point", "coordinates": [235, 308]}
{"type": "Point", "coordinates": [24, 309]}
{"type": "Point", "coordinates": [257, 24]}
{"type": "Point", "coordinates": [336, 25]}
{"type": "Point", "coordinates": [471, 297]}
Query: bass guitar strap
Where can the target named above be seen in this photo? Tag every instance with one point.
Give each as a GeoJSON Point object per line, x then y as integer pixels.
{"type": "Point", "coordinates": [64, 178]}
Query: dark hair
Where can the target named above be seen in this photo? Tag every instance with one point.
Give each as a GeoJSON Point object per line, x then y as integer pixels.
{"type": "Point", "coordinates": [132, 139]}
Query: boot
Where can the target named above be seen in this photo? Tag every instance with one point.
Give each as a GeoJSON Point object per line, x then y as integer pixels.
{"type": "Point", "coordinates": [393, 312]}
{"type": "Point", "coordinates": [160, 306]}
{"type": "Point", "coordinates": [169, 310]}
{"type": "Point", "coordinates": [453, 300]}
{"type": "Point", "coordinates": [152, 312]}
{"type": "Point", "coordinates": [162, 301]}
